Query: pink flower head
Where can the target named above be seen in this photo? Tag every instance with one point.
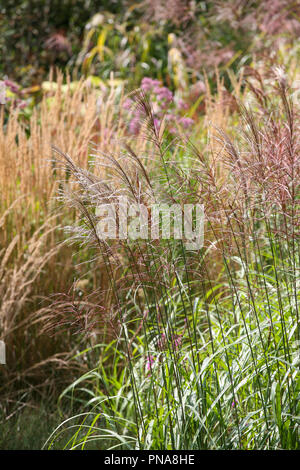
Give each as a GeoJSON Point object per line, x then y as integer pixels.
{"type": "Point", "coordinates": [177, 342]}
{"type": "Point", "coordinates": [148, 83]}
{"type": "Point", "coordinates": [163, 93]}
{"type": "Point", "coordinates": [21, 104]}
{"type": "Point", "coordinates": [170, 117]}
{"type": "Point", "coordinates": [182, 104]}
{"type": "Point", "coordinates": [186, 122]}
{"type": "Point", "coordinates": [150, 362]}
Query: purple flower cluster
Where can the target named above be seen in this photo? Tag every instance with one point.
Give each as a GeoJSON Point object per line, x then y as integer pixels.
{"type": "Point", "coordinates": [162, 94]}
{"type": "Point", "coordinates": [148, 83]}
{"type": "Point", "coordinates": [164, 106]}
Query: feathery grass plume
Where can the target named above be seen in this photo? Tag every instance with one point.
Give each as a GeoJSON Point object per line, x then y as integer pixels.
{"type": "Point", "coordinates": [35, 262]}
{"type": "Point", "coordinates": [206, 353]}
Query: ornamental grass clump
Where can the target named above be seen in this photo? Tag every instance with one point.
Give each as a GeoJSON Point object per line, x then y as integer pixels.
{"type": "Point", "coordinates": [35, 262]}
{"type": "Point", "coordinates": [206, 347]}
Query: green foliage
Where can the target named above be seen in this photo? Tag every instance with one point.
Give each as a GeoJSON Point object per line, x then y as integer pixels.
{"type": "Point", "coordinates": [131, 50]}
{"type": "Point", "coordinates": [236, 387]}
{"type": "Point", "coordinates": [137, 40]}
{"type": "Point", "coordinates": [27, 428]}
{"type": "Point", "coordinates": [26, 25]}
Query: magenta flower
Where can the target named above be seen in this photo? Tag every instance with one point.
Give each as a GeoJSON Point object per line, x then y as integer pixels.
{"type": "Point", "coordinates": [177, 342]}
{"type": "Point", "coordinates": [186, 122]}
{"type": "Point", "coordinates": [14, 88]}
{"type": "Point", "coordinates": [163, 93]}
{"type": "Point", "coordinates": [170, 117]}
{"type": "Point", "coordinates": [164, 106]}
{"type": "Point", "coordinates": [134, 126]}
{"type": "Point", "coordinates": [182, 104]}
{"type": "Point", "coordinates": [150, 362]}
{"type": "Point", "coordinates": [21, 104]}
{"type": "Point", "coordinates": [148, 83]}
